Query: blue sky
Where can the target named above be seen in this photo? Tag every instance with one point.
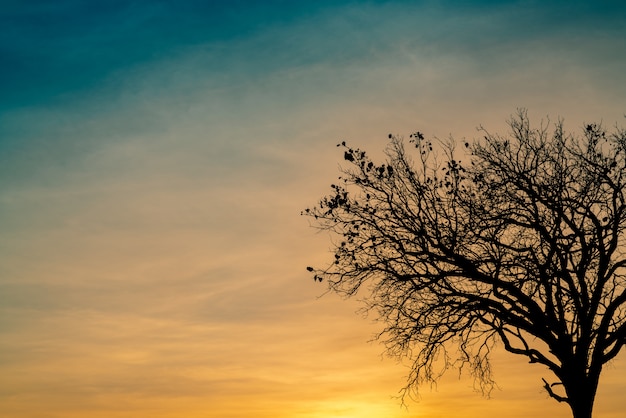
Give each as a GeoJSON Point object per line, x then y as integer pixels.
{"type": "Point", "coordinates": [52, 49]}
{"type": "Point", "coordinates": [55, 48]}
{"type": "Point", "coordinates": [155, 156]}
{"type": "Point", "coordinates": [64, 54]}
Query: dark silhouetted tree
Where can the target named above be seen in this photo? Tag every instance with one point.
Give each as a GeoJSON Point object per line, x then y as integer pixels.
{"type": "Point", "coordinates": [521, 244]}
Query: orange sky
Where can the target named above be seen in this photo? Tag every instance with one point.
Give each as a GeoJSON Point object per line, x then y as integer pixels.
{"type": "Point", "coordinates": [152, 256]}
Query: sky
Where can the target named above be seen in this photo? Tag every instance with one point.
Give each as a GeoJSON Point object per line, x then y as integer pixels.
{"type": "Point", "coordinates": [154, 160]}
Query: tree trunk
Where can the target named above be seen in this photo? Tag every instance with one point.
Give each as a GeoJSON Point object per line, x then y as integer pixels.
{"type": "Point", "coordinates": [581, 394]}
{"type": "Point", "coordinates": [581, 408]}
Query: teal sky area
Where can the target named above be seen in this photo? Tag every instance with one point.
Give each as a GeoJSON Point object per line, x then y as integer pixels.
{"type": "Point", "coordinates": [69, 62]}
{"type": "Point", "coordinates": [155, 157]}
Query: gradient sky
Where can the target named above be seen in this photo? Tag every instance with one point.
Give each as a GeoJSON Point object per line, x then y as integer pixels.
{"type": "Point", "coordinates": [155, 156]}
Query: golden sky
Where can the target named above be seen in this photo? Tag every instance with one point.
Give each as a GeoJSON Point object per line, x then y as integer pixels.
{"type": "Point", "coordinates": [154, 161]}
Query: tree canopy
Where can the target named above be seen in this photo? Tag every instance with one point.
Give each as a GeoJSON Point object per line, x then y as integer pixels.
{"type": "Point", "coordinates": [514, 239]}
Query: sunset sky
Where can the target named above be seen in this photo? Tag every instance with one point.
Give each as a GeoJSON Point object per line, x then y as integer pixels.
{"type": "Point", "coordinates": [154, 159]}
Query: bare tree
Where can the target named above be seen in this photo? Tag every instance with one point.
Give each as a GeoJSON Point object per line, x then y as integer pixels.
{"type": "Point", "coordinates": [521, 246]}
